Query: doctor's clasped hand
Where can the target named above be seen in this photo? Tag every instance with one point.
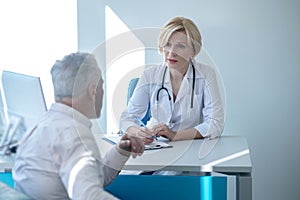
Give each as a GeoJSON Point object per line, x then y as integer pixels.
{"type": "Point", "coordinates": [162, 130]}
{"type": "Point", "coordinates": [142, 133]}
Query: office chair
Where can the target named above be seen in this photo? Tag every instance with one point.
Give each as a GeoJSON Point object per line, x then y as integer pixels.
{"type": "Point", "coordinates": [131, 86]}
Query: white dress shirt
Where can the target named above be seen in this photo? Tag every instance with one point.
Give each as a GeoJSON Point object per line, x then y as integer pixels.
{"type": "Point", "coordinates": [207, 114]}
{"type": "Point", "coordinates": [59, 159]}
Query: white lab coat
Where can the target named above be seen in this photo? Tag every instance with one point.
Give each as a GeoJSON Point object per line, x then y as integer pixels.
{"type": "Point", "coordinates": [207, 114]}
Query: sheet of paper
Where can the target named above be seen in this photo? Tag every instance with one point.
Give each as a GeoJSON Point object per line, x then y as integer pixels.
{"type": "Point", "coordinates": [156, 144]}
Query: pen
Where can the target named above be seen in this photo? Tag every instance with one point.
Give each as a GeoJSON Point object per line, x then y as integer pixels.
{"type": "Point", "coordinates": [144, 125]}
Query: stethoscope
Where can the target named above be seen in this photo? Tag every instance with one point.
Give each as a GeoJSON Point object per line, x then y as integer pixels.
{"type": "Point", "coordinates": [164, 88]}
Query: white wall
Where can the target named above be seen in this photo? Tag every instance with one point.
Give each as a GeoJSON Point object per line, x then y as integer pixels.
{"type": "Point", "coordinates": [34, 34]}
{"type": "Point", "coordinates": [255, 45]}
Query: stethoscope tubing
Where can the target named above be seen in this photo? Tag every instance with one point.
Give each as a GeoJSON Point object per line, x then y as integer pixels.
{"type": "Point", "coordinates": [169, 96]}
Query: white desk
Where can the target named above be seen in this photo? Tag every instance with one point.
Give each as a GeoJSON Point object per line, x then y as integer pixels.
{"type": "Point", "coordinates": [7, 192]}
{"type": "Point", "coordinates": [229, 156]}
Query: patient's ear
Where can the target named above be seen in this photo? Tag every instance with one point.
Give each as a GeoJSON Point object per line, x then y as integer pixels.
{"type": "Point", "coordinates": [92, 91]}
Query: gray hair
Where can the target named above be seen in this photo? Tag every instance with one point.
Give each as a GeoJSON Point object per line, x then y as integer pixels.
{"type": "Point", "coordinates": [72, 75]}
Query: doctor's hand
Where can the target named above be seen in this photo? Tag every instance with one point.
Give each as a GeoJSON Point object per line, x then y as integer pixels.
{"type": "Point", "coordinates": [131, 145]}
{"type": "Point", "coordinates": [164, 131]}
{"type": "Point", "coordinates": [141, 132]}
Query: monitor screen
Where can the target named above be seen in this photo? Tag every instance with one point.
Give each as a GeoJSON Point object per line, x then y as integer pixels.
{"type": "Point", "coordinates": [23, 96]}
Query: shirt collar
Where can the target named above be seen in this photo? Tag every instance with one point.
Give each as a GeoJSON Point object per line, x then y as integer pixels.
{"type": "Point", "coordinates": [71, 112]}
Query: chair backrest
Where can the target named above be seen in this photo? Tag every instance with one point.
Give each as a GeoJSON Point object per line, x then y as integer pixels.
{"type": "Point", "coordinates": [131, 86]}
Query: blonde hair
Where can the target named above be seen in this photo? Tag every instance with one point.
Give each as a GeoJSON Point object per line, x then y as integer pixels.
{"type": "Point", "coordinates": [178, 24]}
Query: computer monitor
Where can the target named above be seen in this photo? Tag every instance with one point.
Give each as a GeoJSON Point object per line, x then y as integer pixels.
{"type": "Point", "coordinates": [24, 96]}
{"type": "Point", "coordinates": [24, 100]}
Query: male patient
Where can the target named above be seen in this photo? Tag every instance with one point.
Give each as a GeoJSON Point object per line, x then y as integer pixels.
{"type": "Point", "coordinates": [59, 158]}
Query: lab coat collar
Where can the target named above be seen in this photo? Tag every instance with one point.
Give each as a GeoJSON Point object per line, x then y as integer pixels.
{"type": "Point", "coordinates": [186, 84]}
{"type": "Point", "coordinates": [167, 77]}
{"type": "Point", "coordinates": [189, 73]}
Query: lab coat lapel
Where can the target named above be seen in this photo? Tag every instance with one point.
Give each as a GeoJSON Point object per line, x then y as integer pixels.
{"type": "Point", "coordinates": [184, 90]}
{"type": "Point", "coordinates": [185, 87]}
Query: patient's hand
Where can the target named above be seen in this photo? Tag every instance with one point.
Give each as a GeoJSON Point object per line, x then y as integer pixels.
{"type": "Point", "coordinates": [131, 145]}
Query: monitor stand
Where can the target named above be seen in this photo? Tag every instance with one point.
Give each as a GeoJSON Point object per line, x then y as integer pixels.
{"type": "Point", "coordinates": [8, 142]}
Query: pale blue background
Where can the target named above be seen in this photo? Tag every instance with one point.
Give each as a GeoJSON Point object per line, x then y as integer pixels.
{"type": "Point", "coordinates": [255, 44]}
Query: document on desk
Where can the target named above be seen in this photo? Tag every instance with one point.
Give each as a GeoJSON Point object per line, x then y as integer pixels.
{"type": "Point", "coordinates": [160, 143]}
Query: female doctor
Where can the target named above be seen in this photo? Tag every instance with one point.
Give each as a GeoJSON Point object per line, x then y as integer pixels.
{"type": "Point", "coordinates": [184, 96]}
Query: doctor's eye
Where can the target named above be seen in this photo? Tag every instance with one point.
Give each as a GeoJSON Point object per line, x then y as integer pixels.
{"type": "Point", "coordinates": [180, 46]}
